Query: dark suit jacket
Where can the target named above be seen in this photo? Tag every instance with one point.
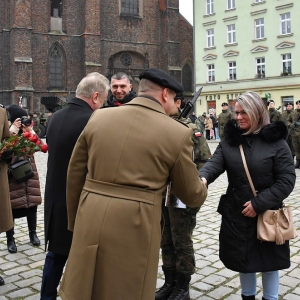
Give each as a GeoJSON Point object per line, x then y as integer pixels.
{"type": "Point", "coordinates": [63, 131]}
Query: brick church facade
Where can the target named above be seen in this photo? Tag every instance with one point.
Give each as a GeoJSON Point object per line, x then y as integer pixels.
{"type": "Point", "coordinates": [47, 46]}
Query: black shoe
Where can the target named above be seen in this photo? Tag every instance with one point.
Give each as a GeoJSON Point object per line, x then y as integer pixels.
{"type": "Point", "coordinates": [11, 245]}
{"type": "Point", "coordinates": [180, 294]}
{"type": "Point", "coordinates": [33, 238]}
{"type": "Point", "coordinates": [252, 297]}
{"type": "Point", "coordinates": [2, 282]}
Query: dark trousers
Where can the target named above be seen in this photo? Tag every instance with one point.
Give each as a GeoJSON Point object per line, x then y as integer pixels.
{"type": "Point", "coordinates": [52, 272]}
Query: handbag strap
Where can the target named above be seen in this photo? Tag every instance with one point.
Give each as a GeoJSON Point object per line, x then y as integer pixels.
{"type": "Point", "coordinates": [247, 170]}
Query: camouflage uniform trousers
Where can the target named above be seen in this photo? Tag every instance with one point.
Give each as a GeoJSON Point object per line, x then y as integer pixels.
{"type": "Point", "coordinates": [296, 143]}
{"type": "Point", "coordinates": [177, 244]}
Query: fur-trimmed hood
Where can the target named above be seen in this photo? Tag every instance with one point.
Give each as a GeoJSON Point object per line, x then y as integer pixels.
{"type": "Point", "coordinates": [270, 133]}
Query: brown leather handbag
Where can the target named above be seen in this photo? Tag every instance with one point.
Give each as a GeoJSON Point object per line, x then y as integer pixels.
{"type": "Point", "coordinates": [272, 225]}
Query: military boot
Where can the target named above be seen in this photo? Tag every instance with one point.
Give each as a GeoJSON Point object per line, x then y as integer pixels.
{"type": "Point", "coordinates": [11, 245]}
{"type": "Point", "coordinates": [252, 297]}
{"type": "Point", "coordinates": [297, 165]}
{"type": "Point", "coordinates": [170, 281]}
{"type": "Point", "coordinates": [182, 288]}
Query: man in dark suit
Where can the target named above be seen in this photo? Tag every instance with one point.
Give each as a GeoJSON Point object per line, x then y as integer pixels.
{"type": "Point", "coordinates": [62, 133]}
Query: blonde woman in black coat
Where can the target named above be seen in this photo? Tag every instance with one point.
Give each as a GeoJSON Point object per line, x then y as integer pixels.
{"type": "Point", "coordinates": [271, 167]}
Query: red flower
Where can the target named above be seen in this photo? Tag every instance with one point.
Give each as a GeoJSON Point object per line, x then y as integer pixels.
{"type": "Point", "coordinates": [44, 148]}
{"type": "Point", "coordinates": [38, 142]}
{"type": "Point", "coordinates": [34, 138]}
{"type": "Point", "coordinates": [27, 135]}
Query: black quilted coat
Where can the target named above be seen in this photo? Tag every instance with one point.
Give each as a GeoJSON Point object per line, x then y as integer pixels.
{"type": "Point", "coordinates": [272, 170]}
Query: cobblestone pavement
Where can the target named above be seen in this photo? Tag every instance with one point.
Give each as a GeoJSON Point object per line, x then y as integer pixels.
{"type": "Point", "coordinates": [23, 271]}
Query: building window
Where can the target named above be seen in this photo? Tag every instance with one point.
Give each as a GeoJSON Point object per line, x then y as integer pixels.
{"type": "Point", "coordinates": [286, 64]}
{"type": "Point", "coordinates": [55, 64]}
{"type": "Point", "coordinates": [260, 67]}
{"type": "Point", "coordinates": [56, 8]}
{"type": "Point", "coordinates": [210, 73]}
{"type": "Point", "coordinates": [232, 70]}
{"type": "Point", "coordinates": [285, 23]}
{"type": "Point", "coordinates": [259, 28]}
{"type": "Point", "coordinates": [187, 78]}
{"type": "Point", "coordinates": [230, 4]}
{"type": "Point", "coordinates": [210, 38]}
{"type": "Point", "coordinates": [209, 7]}
{"type": "Point", "coordinates": [231, 34]}
{"type": "Point", "coordinates": [130, 7]}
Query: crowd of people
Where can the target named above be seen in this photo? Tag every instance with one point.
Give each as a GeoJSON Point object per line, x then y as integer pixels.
{"type": "Point", "coordinates": [144, 183]}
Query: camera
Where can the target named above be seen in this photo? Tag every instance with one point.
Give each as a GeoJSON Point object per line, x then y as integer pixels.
{"type": "Point", "coordinates": [25, 121]}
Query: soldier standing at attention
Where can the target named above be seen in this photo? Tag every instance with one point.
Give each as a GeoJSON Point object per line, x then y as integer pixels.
{"type": "Point", "coordinates": [36, 123]}
{"type": "Point", "coordinates": [285, 115]}
{"type": "Point", "coordinates": [274, 114]}
{"type": "Point", "coordinates": [294, 125]}
{"type": "Point", "coordinates": [223, 117]}
{"type": "Point", "coordinates": [176, 244]}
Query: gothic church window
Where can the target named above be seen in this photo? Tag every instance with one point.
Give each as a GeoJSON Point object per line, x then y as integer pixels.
{"type": "Point", "coordinates": [187, 78]}
{"type": "Point", "coordinates": [130, 7]}
{"type": "Point", "coordinates": [56, 67]}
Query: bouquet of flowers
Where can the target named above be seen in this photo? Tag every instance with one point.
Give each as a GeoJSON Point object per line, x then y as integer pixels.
{"type": "Point", "coordinates": [23, 145]}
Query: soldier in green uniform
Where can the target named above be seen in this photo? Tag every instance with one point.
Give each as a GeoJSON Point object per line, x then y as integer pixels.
{"type": "Point", "coordinates": [223, 117]}
{"type": "Point", "coordinates": [274, 114]}
{"type": "Point", "coordinates": [294, 125]}
{"type": "Point", "coordinates": [178, 225]}
{"type": "Point", "coordinates": [285, 115]}
{"type": "Point", "coordinates": [36, 123]}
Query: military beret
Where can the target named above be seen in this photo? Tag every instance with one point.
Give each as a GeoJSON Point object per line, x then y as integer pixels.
{"type": "Point", "coordinates": [16, 112]}
{"type": "Point", "coordinates": [298, 102]}
{"type": "Point", "coordinates": [224, 104]}
{"type": "Point", "coordinates": [289, 103]}
{"type": "Point", "coordinates": [271, 101]}
{"type": "Point", "coordinates": [162, 78]}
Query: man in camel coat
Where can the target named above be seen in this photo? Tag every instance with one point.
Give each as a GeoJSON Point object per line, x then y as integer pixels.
{"type": "Point", "coordinates": [6, 220]}
{"type": "Point", "coordinates": [115, 181]}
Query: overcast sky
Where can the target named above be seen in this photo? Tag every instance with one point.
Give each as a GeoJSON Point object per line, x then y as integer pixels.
{"type": "Point", "coordinates": [186, 9]}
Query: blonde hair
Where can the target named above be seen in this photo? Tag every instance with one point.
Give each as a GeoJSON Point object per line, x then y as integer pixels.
{"type": "Point", "coordinates": [255, 108]}
{"type": "Point", "coordinates": [91, 83]}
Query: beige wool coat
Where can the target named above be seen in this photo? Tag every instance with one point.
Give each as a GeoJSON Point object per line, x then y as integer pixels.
{"type": "Point", "coordinates": [115, 181]}
{"type": "Point", "coordinates": [6, 220]}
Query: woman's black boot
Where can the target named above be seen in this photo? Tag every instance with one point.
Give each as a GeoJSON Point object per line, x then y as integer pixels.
{"type": "Point", "coordinates": [248, 297]}
{"type": "Point", "coordinates": [11, 245]}
{"type": "Point", "coordinates": [34, 240]}
{"type": "Point", "coordinates": [31, 221]}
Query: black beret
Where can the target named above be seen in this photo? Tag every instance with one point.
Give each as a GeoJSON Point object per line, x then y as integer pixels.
{"type": "Point", "coordinates": [271, 101]}
{"type": "Point", "coordinates": [289, 103]}
{"type": "Point", "coordinates": [162, 78]}
{"type": "Point", "coordinates": [224, 104]}
{"type": "Point", "coordinates": [298, 102]}
{"type": "Point", "coordinates": [16, 112]}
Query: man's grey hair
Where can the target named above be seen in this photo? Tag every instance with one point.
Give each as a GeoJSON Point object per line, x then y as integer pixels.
{"type": "Point", "coordinates": [91, 83]}
{"type": "Point", "coordinates": [255, 108]}
{"type": "Point", "coordinates": [120, 75]}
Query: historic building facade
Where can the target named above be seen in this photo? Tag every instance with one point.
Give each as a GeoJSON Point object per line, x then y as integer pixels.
{"type": "Point", "coordinates": [246, 45]}
{"type": "Point", "coordinates": [46, 47]}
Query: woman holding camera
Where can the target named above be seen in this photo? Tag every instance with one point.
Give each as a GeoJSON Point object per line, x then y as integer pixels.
{"type": "Point", "coordinates": [25, 196]}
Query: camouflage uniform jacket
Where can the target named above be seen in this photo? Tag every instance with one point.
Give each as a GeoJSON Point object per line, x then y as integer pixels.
{"type": "Point", "coordinates": [275, 115]}
{"type": "Point", "coordinates": [36, 125]}
{"type": "Point", "coordinates": [285, 116]}
{"type": "Point", "coordinates": [201, 149]}
{"type": "Point", "coordinates": [294, 123]}
{"type": "Point", "coordinates": [223, 117]}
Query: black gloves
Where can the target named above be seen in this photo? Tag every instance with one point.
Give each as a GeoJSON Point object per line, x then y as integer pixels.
{"type": "Point", "coordinates": [7, 156]}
